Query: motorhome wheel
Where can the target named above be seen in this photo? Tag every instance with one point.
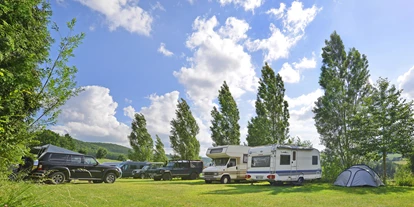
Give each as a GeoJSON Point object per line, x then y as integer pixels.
{"type": "Point", "coordinates": [225, 179]}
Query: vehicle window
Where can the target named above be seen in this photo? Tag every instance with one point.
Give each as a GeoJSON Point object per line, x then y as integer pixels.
{"type": "Point", "coordinates": [294, 156]}
{"type": "Point", "coordinates": [220, 161]}
{"type": "Point", "coordinates": [245, 158]}
{"type": "Point", "coordinates": [232, 162]}
{"type": "Point", "coordinates": [314, 160]}
{"type": "Point", "coordinates": [76, 159]}
{"type": "Point", "coordinates": [58, 157]}
{"type": "Point", "coordinates": [261, 161]}
{"type": "Point", "coordinates": [90, 161]}
{"type": "Point", "coordinates": [133, 167]}
{"type": "Point", "coordinates": [284, 159]}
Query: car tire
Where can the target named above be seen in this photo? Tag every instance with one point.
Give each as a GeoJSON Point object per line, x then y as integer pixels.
{"type": "Point", "coordinates": [58, 177]}
{"type": "Point", "coordinates": [193, 176]}
{"type": "Point", "coordinates": [166, 176]}
{"type": "Point", "coordinates": [110, 177]}
{"type": "Point", "coordinates": [225, 179]}
{"type": "Point", "coordinates": [208, 181]}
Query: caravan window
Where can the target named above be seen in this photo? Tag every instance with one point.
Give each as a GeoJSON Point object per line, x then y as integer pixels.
{"type": "Point", "coordinates": [284, 159]}
{"type": "Point", "coordinates": [314, 160]}
{"type": "Point", "coordinates": [261, 161]}
{"type": "Point", "coordinates": [245, 158]}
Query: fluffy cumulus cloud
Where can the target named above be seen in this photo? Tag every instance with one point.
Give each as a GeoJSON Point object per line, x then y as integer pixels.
{"type": "Point", "coordinates": [292, 73]}
{"type": "Point", "coordinates": [122, 13]}
{"type": "Point", "coordinates": [90, 116]}
{"type": "Point", "coordinates": [294, 20]}
{"type": "Point", "coordinates": [164, 50]}
{"type": "Point", "coordinates": [301, 117]}
{"type": "Point", "coordinates": [218, 55]}
{"type": "Point", "coordinates": [158, 115]}
{"type": "Point", "coordinates": [406, 82]}
{"type": "Point", "coordinates": [248, 5]}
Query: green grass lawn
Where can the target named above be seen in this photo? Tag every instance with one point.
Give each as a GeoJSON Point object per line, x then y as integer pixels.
{"type": "Point", "coordinates": [107, 160]}
{"type": "Point", "coordinates": [134, 192]}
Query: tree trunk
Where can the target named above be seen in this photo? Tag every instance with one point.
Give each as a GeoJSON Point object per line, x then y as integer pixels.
{"type": "Point", "coordinates": [384, 167]}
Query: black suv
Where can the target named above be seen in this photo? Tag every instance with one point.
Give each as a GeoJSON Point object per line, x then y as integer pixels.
{"type": "Point", "coordinates": [62, 165]}
{"type": "Point", "coordinates": [184, 169]}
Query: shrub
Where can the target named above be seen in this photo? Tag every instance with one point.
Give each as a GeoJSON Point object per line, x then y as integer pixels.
{"type": "Point", "coordinates": [403, 176]}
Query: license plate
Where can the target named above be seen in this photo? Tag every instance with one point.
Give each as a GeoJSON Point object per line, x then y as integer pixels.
{"type": "Point", "coordinates": [259, 177]}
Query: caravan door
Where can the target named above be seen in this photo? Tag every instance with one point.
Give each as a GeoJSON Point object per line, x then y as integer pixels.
{"type": "Point", "coordinates": [293, 166]}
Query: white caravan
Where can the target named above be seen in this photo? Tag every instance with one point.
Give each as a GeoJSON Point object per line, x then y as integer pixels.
{"type": "Point", "coordinates": [229, 163]}
{"type": "Point", "coordinates": [283, 163]}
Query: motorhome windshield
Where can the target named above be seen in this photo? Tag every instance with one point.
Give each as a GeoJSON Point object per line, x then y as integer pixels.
{"type": "Point", "coordinates": [220, 161]}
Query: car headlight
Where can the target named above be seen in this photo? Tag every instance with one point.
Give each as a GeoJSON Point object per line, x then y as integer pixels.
{"type": "Point", "coordinates": [216, 173]}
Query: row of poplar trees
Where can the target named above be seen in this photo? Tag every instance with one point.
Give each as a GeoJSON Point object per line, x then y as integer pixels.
{"type": "Point", "coordinates": [357, 121]}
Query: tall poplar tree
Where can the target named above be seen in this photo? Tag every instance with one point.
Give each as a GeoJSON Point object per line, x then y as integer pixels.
{"type": "Point", "coordinates": [387, 123]}
{"type": "Point", "coordinates": [344, 79]}
{"type": "Point", "coordinates": [184, 130]}
{"type": "Point", "coordinates": [271, 125]}
{"type": "Point", "coordinates": [140, 140]}
{"type": "Point", "coordinates": [225, 129]}
{"type": "Point", "coordinates": [159, 155]}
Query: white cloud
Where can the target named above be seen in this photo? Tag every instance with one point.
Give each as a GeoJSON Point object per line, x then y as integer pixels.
{"type": "Point", "coordinates": [164, 50]}
{"type": "Point", "coordinates": [293, 74]}
{"type": "Point", "coordinates": [306, 63]}
{"type": "Point", "coordinates": [278, 13]}
{"type": "Point", "coordinates": [92, 28]}
{"type": "Point", "coordinates": [128, 101]}
{"type": "Point", "coordinates": [157, 6]}
{"type": "Point", "coordinates": [129, 111]}
{"type": "Point", "coordinates": [217, 57]}
{"type": "Point", "coordinates": [294, 20]}
{"type": "Point", "coordinates": [246, 4]}
{"type": "Point", "coordinates": [289, 75]}
{"type": "Point", "coordinates": [406, 82]}
{"type": "Point", "coordinates": [122, 13]}
{"type": "Point", "coordinates": [301, 119]}
{"type": "Point", "coordinates": [90, 116]}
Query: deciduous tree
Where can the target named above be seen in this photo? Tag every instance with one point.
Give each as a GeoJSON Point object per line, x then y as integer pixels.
{"type": "Point", "coordinates": [271, 124]}
{"type": "Point", "coordinates": [184, 130]}
{"type": "Point", "coordinates": [101, 153]}
{"type": "Point", "coordinates": [344, 79]}
{"type": "Point", "coordinates": [140, 140]}
{"type": "Point", "coordinates": [225, 129]}
{"type": "Point", "coordinates": [159, 155]}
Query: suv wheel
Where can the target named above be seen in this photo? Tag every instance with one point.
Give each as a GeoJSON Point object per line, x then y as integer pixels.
{"type": "Point", "coordinates": [58, 177]}
{"type": "Point", "coordinates": [225, 179]}
{"type": "Point", "coordinates": [110, 178]}
{"type": "Point", "coordinates": [193, 176]}
{"type": "Point", "coordinates": [166, 176]}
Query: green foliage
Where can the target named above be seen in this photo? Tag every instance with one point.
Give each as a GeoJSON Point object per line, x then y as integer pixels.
{"type": "Point", "coordinates": [122, 158]}
{"type": "Point", "coordinates": [101, 153]}
{"type": "Point", "coordinates": [411, 162]}
{"type": "Point", "coordinates": [298, 142]}
{"type": "Point", "coordinates": [386, 122]}
{"type": "Point", "coordinates": [331, 166]}
{"type": "Point", "coordinates": [404, 176]}
{"type": "Point", "coordinates": [225, 129]}
{"type": "Point", "coordinates": [140, 140]}
{"type": "Point", "coordinates": [32, 86]}
{"type": "Point", "coordinates": [19, 194]}
{"type": "Point", "coordinates": [378, 167]}
{"type": "Point", "coordinates": [344, 79]}
{"type": "Point", "coordinates": [49, 137]}
{"type": "Point", "coordinates": [159, 155]}
{"type": "Point", "coordinates": [83, 151]}
{"type": "Point", "coordinates": [184, 130]}
{"type": "Point", "coordinates": [271, 125]}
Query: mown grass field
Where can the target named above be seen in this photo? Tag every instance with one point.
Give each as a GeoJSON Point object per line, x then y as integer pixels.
{"type": "Point", "coordinates": [133, 192]}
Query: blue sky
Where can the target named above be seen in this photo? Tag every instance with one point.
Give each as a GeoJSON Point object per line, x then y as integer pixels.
{"type": "Point", "coordinates": [141, 56]}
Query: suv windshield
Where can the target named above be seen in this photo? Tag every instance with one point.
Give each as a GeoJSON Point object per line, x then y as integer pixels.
{"type": "Point", "coordinates": [220, 161]}
{"type": "Point", "coordinates": [170, 164]}
{"type": "Point", "coordinates": [146, 167]}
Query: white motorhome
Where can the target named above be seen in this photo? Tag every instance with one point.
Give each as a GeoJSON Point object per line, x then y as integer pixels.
{"type": "Point", "coordinates": [283, 163]}
{"type": "Point", "coordinates": [229, 163]}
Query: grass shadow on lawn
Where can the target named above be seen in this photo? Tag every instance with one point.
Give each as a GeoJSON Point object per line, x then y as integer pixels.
{"type": "Point", "coordinates": [308, 188]}
{"type": "Point", "coordinates": [175, 181]}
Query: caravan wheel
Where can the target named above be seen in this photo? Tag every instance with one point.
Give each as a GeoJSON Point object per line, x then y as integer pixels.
{"type": "Point", "coordinates": [225, 179]}
{"type": "Point", "coordinates": [300, 181]}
